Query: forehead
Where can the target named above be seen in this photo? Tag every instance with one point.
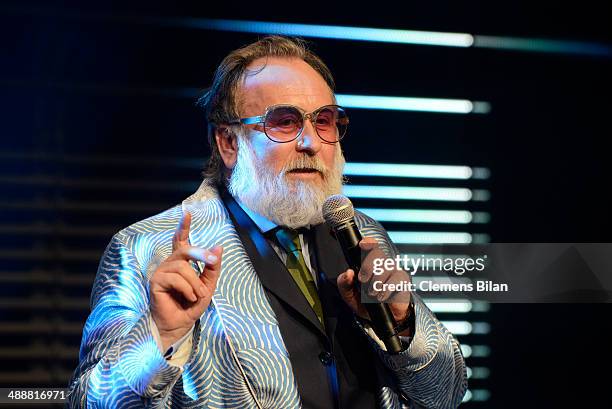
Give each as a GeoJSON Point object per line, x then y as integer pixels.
{"type": "Point", "coordinates": [277, 80]}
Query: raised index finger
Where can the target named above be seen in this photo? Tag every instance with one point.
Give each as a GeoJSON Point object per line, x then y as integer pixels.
{"type": "Point", "coordinates": [181, 235]}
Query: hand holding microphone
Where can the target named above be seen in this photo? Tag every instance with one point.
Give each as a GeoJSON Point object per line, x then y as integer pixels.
{"type": "Point", "coordinates": [339, 215]}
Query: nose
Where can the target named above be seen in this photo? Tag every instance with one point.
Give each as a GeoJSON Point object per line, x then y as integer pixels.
{"type": "Point", "coordinates": [309, 141]}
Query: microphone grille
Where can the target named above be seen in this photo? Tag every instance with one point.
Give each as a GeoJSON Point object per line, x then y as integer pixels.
{"type": "Point", "coordinates": [337, 209]}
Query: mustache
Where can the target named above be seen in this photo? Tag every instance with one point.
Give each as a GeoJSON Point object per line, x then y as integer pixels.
{"type": "Point", "coordinates": [305, 161]}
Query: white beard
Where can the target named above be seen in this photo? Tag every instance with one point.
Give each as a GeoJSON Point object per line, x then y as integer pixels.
{"type": "Point", "coordinates": [285, 202]}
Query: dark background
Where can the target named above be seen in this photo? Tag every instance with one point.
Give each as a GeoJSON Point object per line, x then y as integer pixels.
{"type": "Point", "coordinates": [99, 130]}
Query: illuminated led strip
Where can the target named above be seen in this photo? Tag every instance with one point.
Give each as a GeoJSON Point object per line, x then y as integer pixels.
{"type": "Point", "coordinates": [478, 372]}
{"type": "Point", "coordinates": [407, 170]}
{"type": "Point", "coordinates": [408, 193]}
{"type": "Point", "coordinates": [384, 35]}
{"type": "Point", "coordinates": [451, 106]}
{"type": "Point", "coordinates": [419, 216]}
{"type": "Point", "coordinates": [337, 32]}
{"type": "Point", "coordinates": [458, 327]}
{"type": "Point", "coordinates": [429, 237]}
{"type": "Point", "coordinates": [466, 327]}
{"type": "Point", "coordinates": [448, 305]}
{"type": "Point", "coordinates": [475, 351]}
{"type": "Point", "coordinates": [476, 395]}
{"type": "Point", "coordinates": [426, 216]}
{"type": "Point", "coordinates": [481, 328]}
{"type": "Point", "coordinates": [398, 36]}
{"type": "Point", "coordinates": [381, 102]}
{"type": "Point", "coordinates": [543, 45]}
{"type": "Point", "coordinates": [480, 306]}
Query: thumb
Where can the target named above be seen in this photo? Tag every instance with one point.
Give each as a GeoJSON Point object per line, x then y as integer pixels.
{"type": "Point", "coordinates": [346, 288]}
{"type": "Point", "coordinates": [212, 269]}
{"type": "Point", "coordinates": [346, 282]}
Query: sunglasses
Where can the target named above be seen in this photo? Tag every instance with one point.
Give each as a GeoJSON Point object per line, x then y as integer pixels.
{"type": "Point", "coordinates": [285, 123]}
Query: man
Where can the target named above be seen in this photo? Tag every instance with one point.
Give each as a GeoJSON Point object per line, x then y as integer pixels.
{"type": "Point", "coordinates": [248, 303]}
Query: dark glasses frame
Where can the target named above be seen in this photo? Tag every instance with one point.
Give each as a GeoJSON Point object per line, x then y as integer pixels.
{"type": "Point", "coordinates": [311, 116]}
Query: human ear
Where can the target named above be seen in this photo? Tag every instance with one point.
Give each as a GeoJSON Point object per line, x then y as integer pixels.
{"type": "Point", "coordinates": [228, 146]}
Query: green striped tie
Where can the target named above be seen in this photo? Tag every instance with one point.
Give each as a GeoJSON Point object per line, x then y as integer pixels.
{"type": "Point", "coordinates": [290, 241]}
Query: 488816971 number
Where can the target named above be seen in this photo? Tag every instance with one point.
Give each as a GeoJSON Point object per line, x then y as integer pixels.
{"type": "Point", "coordinates": [28, 395]}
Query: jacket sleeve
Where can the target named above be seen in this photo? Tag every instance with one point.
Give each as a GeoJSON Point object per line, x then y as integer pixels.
{"type": "Point", "coordinates": [120, 364]}
{"type": "Point", "coordinates": [431, 372]}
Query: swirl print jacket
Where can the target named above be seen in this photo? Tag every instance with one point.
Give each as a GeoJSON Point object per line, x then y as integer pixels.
{"type": "Point", "coordinates": [238, 357]}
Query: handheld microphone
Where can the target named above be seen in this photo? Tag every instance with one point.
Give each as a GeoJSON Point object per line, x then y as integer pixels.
{"type": "Point", "coordinates": [339, 214]}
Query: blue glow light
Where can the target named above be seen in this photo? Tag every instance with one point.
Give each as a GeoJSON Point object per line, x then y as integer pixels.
{"type": "Point", "coordinates": [480, 395]}
{"type": "Point", "coordinates": [445, 105]}
{"type": "Point", "coordinates": [398, 36]}
{"type": "Point", "coordinates": [543, 45]}
{"type": "Point", "coordinates": [419, 216]}
{"type": "Point", "coordinates": [481, 328]}
{"type": "Point", "coordinates": [480, 351]}
{"type": "Point", "coordinates": [438, 105]}
{"type": "Point", "coordinates": [408, 193]}
{"type": "Point", "coordinates": [458, 327]}
{"type": "Point", "coordinates": [479, 372]}
{"type": "Point", "coordinates": [448, 305]}
{"type": "Point", "coordinates": [429, 237]}
{"type": "Point", "coordinates": [403, 170]}
{"type": "Point", "coordinates": [384, 35]}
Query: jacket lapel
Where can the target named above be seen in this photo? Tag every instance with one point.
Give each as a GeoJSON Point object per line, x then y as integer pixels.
{"type": "Point", "coordinates": [270, 269]}
{"type": "Point", "coordinates": [327, 256]}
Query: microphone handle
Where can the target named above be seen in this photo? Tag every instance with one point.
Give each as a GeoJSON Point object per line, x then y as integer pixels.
{"type": "Point", "coordinates": [380, 314]}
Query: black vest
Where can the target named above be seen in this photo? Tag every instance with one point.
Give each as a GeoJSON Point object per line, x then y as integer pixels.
{"type": "Point", "coordinates": [334, 367]}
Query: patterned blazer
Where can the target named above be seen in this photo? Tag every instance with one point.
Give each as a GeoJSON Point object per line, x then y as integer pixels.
{"type": "Point", "coordinates": [238, 358]}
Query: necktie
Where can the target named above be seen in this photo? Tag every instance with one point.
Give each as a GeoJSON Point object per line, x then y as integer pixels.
{"type": "Point", "coordinates": [289, 239]}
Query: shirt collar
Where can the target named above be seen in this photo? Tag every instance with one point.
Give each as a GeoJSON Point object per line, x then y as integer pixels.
{"type": "Point", "coordinates": [265, 225]}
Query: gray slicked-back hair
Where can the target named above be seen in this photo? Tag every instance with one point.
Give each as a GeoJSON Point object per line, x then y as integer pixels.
{"type": "Point", "coordinates": [220, 103]}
